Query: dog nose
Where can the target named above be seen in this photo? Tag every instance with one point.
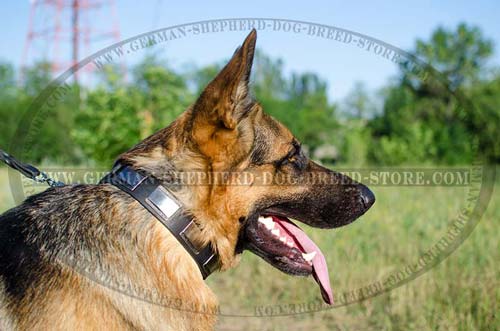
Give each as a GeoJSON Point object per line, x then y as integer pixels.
{"type": "Point", "coordinates": [367, 197]}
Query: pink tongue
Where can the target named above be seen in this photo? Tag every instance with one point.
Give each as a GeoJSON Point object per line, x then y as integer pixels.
{"type": "Point", "coordinates": [320, 269]}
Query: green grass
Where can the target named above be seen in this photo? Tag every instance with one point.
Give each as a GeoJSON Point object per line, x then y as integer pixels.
{"type": "Point", "coordinates": [462, 293]}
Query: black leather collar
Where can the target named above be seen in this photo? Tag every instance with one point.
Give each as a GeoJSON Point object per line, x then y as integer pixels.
{"type": "Point", "coordinates": [160, 202]}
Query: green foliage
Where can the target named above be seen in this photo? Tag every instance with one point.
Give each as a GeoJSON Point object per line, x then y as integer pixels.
{"type": "Point", "coordinates": [414, 145]}
{"type": "Point", "coordinates": [9, 104]}
{"type": "Point", "coordinates": [484, 117]}
{"type": "Point", "coordinates": [164, 93]}
{"type": "Point", "coordinates": [52, 143]}
{"type": "Point", "coordinates": [107, 124]}
{"type": "Point", "coordinates": [116, 115]}
{"type": "Point", "coordinates": [412, 121]}
{"type": "Point", "coordinates": [356, 143]}
{"type": "Point", "coordinates": [300, 101]}
{"type": "Point", "coordinates": [422, 122]}
{"type": "Point", "coordinates": [459, 55]}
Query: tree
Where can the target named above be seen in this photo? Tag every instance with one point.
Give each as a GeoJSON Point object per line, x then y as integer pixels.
{"type": "Point", "coordinates": [51, 143]}
{"type": "Point", "coordinates": [9, 111]}
{"type": "Point", "coordinates": [422, 120]}
{"type": "Point", "coordinates": [115, 117]}
{"type": "Point", "coordinates": [486, 120]}
{"type": "Point", "coordinates": [358, 103]}
{"type": "Point", "coordinates": [299, 100]}
{"type": "Point", "coordinates": [459, 55]}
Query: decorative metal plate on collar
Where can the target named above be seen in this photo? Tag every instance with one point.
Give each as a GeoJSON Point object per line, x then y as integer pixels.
{"type": "Point", "coordinates": [162, 204]}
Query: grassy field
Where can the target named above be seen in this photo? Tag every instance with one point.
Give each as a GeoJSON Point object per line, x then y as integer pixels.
{"type": "Point", "coordinates": [462, 293]}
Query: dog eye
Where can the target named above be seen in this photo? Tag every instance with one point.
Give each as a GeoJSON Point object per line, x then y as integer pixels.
{"type": "Point", "coordinates": [289, 158]}
{"type": "Point", "coordinates": [292, 157]}
{"type": "Point", "coordinates": [295, 157]}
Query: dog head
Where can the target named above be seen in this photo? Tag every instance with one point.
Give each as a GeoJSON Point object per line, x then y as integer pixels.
{"type": "Point", "coordinates": [255, 176]}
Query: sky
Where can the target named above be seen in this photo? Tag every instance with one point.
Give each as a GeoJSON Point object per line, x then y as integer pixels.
{"type": "Point", "coordinates": [398, 23]}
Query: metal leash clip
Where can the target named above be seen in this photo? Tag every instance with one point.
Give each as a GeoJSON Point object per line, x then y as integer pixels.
{"type": "Point", "coordinates": [28, 170]}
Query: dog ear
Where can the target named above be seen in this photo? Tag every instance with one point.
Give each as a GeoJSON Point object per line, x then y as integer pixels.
{"type": "Point", "coordinates": [226, 98]}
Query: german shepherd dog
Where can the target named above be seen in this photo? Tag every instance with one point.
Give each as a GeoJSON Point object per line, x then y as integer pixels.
{"type": "Point", "coordinates": [224, 131]}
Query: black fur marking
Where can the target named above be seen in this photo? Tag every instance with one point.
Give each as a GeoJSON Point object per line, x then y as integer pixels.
{"type": "Point", "coordinates": [20, 264]}
{"type": "Point", "coordinates": [259, 150]}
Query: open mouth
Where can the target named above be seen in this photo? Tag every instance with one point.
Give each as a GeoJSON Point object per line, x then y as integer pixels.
{"type": "Point", "coordinates": [285, 246]}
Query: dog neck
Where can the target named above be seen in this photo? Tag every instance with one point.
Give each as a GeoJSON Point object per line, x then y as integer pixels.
{"type": "Point", "coordinates": [170, 152]}
{"type": "Point", "coordinates": [161, 203]}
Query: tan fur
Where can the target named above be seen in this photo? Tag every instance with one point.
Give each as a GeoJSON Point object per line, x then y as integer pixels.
{"type": "Point", "coordinates": [215, 135]}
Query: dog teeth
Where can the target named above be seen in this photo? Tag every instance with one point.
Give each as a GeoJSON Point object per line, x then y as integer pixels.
{"type": "Point", "coordinates": [283, 239]}
{"type": "Point", "coordinates": [267, 221]}
{"type": "Point", "coordinates": [309, 256]}
{"type": "Point", "coordinates": [289, 243]}
{"type": "Point", "coordinates": [276, 232]}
